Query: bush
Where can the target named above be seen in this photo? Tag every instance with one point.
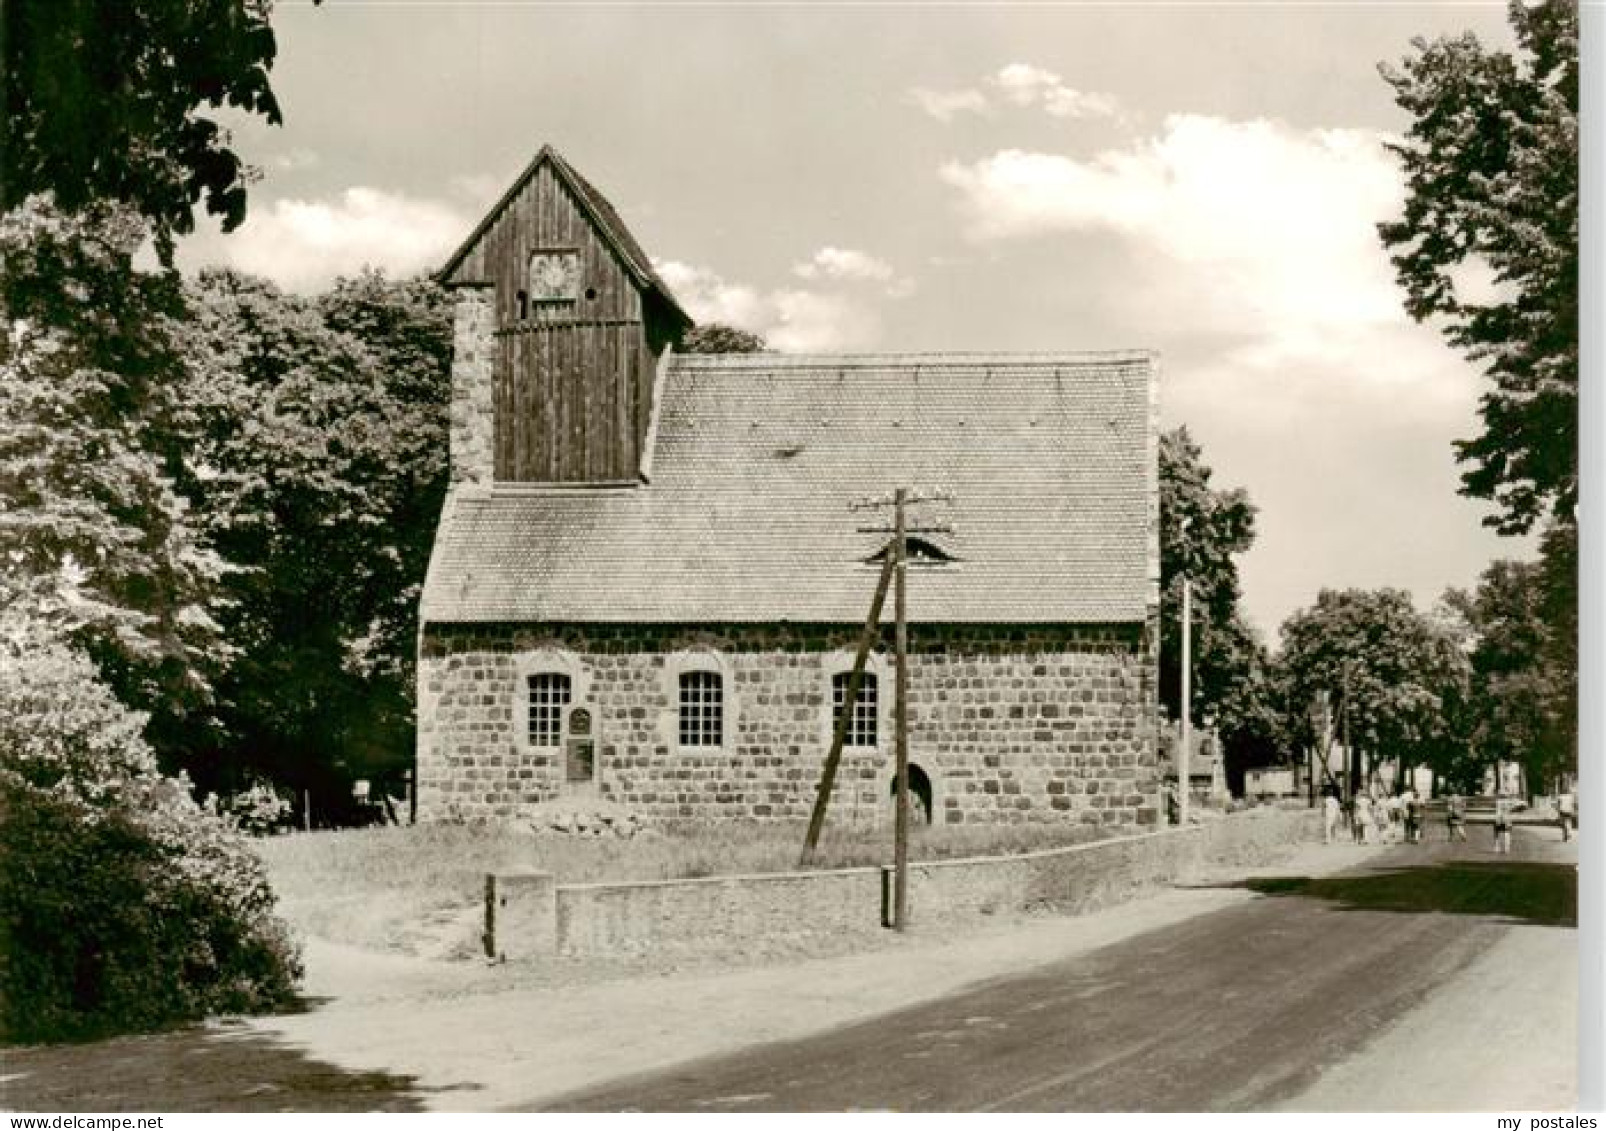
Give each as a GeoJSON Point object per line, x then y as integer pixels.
{"type": "Point", "coordinates": [260, 810]}
{"type": "Point", "coordinates": [123, 904]}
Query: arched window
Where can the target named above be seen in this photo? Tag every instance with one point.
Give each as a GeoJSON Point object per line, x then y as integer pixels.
{"type": "Point", "coordinates": [550, 693]}
{"type": "Point", "coordinates": [862, 725]}
{"type": "Point", "coordinates": [702, 708]}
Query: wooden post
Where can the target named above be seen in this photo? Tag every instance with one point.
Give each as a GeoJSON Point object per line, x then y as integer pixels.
{"type": "Point", "coordinates": [1351, 764]}
{"type": "Point", "coordinates": [900, 856]}
{"type": "Point", "coordinates": [1184, 779]}
{"type": "Point", "coordinates": [822, 798]}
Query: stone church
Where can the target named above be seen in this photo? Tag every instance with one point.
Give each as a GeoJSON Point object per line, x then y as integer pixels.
{"type": "Point", "coordinates": [648, 584]}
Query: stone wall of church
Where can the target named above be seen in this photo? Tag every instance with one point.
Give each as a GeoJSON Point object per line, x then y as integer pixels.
{"type": "Point", "coordinates": [1008, 724]}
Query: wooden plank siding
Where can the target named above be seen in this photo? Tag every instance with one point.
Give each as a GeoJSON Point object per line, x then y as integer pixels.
{"type": "Point", "coordinates": [573, 380]}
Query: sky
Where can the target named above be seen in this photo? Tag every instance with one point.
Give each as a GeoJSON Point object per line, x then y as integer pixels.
{"type": "Point", "coordinates": [1204, 180]}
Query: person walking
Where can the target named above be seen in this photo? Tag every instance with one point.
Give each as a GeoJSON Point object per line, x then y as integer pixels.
{"type": "Point", "coordinates": [1567, 810]}
{"type": "Point", "coordinates": [1413, 816]}
{"type": "Point", "coordinates": [1330, 815]}
{"type": "Point", "coordinates": [1455, 817]}
{"type": "Point", "coordinates": [1502, 824]}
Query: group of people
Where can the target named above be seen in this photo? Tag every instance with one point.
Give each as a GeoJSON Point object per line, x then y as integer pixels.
{"type": "Point", "coordinates": [1376, 817]}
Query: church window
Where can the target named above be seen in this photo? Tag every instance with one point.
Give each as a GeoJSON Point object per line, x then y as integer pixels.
{"type": "Point", "coordinates": [862, 726]}
{"type": "Point", "coordinates": [549, 696]}
{"type": "Point", "coordinates": [702, 708]}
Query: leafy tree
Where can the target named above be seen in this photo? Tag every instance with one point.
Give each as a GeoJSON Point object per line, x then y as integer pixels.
{"type": "Point", "coordinates": [1201, 532]}
{"type": "Point", "coordinates": [1523, 705]}
{"type": "Point", "coordinates": [96, 537]}
{"type": "Point", "coordinates": [715, 337]}
{"type": "Point", "coordinates": [123, 905]}
{"type": "Point", "coordinates": [104, 101]}
{"type": "Point", "coordinates": [317, 434]}
{"type": "Point", "coordinates": [1491, 161]}
{"type": "Point", "coordinates": [1403, 672]}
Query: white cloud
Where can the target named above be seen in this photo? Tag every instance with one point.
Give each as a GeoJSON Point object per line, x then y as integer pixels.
{"type": "Point", "coordinates": [1249, 251]}
{"type": "Point", "coordinates": [946, 105]}
{"type": "Point", "coordinates": [815, 322]}
{"type": "Point", "coordinates": [792, 320]}
{"type": "Point", "coordinates": [707, 297]}
{"type": "Point", "coordinates": [1025, 85]}
{"type": "Point", "coordinates": [843, 263]}
{"type": "Point", "coordinates": [847, 265]}
{"type": "Point", "coordinates": [304, 244]}
{"type": "Point", "coordinates": [1016, 84]}
{"type": "Point", "coordinates": [1258, 230]}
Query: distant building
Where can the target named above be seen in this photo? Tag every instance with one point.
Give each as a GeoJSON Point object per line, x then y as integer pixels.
{"type": "Point", "coordinates": [647, 583]}
{"type": "Point", "coordinates": [1271, 781]}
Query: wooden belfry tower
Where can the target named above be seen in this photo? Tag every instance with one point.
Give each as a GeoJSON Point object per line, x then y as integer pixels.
{"type": "Point", "coordinates": [576, 320]}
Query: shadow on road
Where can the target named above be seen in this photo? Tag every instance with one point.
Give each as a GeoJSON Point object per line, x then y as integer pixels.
{"type": "Point", "coordinates": [213, 1068]}
{"type": "Point", "coordinates": [1517, 890]}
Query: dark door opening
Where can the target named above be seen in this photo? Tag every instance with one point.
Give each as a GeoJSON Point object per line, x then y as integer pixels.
{"type": "Point", "coordinates": [919, 793]}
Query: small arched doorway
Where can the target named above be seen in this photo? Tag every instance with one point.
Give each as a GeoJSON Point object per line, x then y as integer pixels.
{"type": "Point", "coordinates": [919, 793]}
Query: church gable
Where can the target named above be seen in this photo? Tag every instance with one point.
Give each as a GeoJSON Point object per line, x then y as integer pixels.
{"type": "Point", "coordinates": [576, 322]}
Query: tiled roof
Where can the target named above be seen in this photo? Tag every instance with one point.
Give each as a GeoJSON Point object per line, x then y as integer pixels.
{"type": "Point", "coordinates": [1050, 459]}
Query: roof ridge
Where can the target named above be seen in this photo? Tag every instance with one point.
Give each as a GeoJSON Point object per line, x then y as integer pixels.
{"type": "Point", "coordinates": [901, 359]}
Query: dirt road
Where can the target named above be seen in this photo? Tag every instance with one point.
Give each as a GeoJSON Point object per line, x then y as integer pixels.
{"type": "Point", "coordinates": [1244, 1009]}
{"type": "Point", "coordinates": [400, 1034]}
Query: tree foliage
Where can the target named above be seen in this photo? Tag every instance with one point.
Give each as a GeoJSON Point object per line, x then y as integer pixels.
{"type": "Point", "coordinates": [1403, 674]}
{"type": "Point", "coordinates": [715, 337]}
{"type": "Point", "coordinates": [1523, 705]}
{"type": "Point", "coordinates": [104, 103]}
{"type": "Point", "coordinates": [96, 535]}
{"type": "Point", "coordinates": [1202, 530]}
{"type": "Point", "coordinates": [1491, 161]}
{"type": "Point", "coordinates": [123, 904]}
{"type": "Point", "coordinates": [316, 433]}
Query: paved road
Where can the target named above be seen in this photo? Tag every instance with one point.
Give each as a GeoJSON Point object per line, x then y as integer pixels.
{"type": "Point", "coordinates": [1236, 1010]}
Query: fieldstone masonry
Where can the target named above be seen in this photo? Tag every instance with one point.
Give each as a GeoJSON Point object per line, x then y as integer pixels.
{"type": "Point", "coordinates": [1010, 723]}
{"type": "Point", "coordinates": [472, 408]}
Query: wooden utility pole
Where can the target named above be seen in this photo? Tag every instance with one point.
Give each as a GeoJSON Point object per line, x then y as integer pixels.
{"type": "Point", "coordinates": [1184, 779]}
{"type": "Point", "coordinates": [895, 567]}
{"type": "Point", "coordinates": [872, 628]}
{"type": "Point", "coordinates": [900, 709]}
{"type": "Point", "coordinates": [1350, 761]}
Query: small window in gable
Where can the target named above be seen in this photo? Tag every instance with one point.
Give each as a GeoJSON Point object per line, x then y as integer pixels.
{"type": "Point", "coordinates": [918, 551]}
{"type": "Point", "coordinates": [862, 724]}
{"type": "Point", "coordinates": [549, 697]}
{"type": "Point", "coordinates": [702, 709]}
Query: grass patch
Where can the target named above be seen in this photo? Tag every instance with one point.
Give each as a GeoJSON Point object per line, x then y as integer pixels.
{"type": "Point", "coordinates": [418, 890]}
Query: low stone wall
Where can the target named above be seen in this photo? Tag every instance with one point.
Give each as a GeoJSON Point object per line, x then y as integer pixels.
{"type": "Point", "coordinates": [708, 914]}
{"type": "Point", "coordinates": [1086, 877]}
{"type": "Point", "coordinates": [600, 920]}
